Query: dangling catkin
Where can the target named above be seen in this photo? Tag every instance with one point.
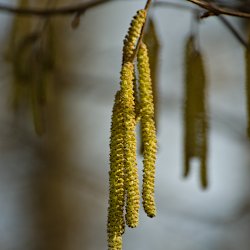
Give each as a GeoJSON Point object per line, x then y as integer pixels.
{"type": "Point", "coordinates": [136, 98]}
{"type": "Point", "coordinates": [148, 131]}
{"type": "Point", "coordinates": [116, 223]}
{"type": "Point", "coordinates": [195, 113]}
{"type": "Point", "coordinates": [151, 39]}
{"type": "Point", "coordinates": [127, 111]}
{"type": "Point", "coordinates": [131, 172]}
{"type": "Point", "coordinates": [189, 133]}
{"type": "Point", "coordinates": [133, 34]}
{"type": "Point", "coordinates": [201, 120]}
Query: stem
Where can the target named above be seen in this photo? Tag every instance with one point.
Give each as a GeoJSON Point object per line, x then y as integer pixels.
{"type": "Point", "coordinates": [148, 5]}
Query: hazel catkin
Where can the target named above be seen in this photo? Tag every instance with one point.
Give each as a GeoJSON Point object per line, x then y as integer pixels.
{"type": "Point", "coordinates": [116, 223]}
{"type": "Point", "coordinates": [131, 172]}
{"type": "Point", "coordinates": [195, 111]}
{"type": "Point", "coordinates": [148, 131]}
{"type": "Point", "coordinates": [133, 34]}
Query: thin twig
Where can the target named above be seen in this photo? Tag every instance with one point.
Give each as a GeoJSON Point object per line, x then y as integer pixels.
{"type": "Point", "coordinates": [148, 5]}
{"type": "Point", "coordinates": [217, 10]}
{"type": "Point", "coordinates": [181, 6]}
{"type": "Point", "coordinates": [67, 10]}
{"type": "Point", "coordinates": [233, 30]}
{"type": "Point", "coordinates": [220, 17]}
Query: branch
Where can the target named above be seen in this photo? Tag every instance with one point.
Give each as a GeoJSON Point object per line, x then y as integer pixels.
{"type": "Point", "coordinates": [67, 10]}
{"type": "Point", "coordinates": [217, 10]}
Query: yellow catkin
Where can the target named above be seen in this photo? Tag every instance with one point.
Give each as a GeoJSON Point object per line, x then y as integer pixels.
{"type": "Point", "coordinates": [131, 172]}
{"type": "Point", "coordinates": [116, 222]}
{"type": "Point", "coordinates": [148, 131]}
{"type": "Point", "coordinates": [133, 34]}
{"type": "Point", "coordinates": [151, 39]}
{"type": "Point", "coordinates": [136, 98]}
{"type": "Point", "coordinates": [115, 241]}
{"type": "Point", "coordinates": [195, 112]}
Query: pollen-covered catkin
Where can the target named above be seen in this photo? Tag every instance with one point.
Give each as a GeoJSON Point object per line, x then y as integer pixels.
{"type": "Point", "coordinates": [148, 131]}
{"type": "Point", "coordinates": [136, 99]}
{"type": "Point", "coordinates": [131, 172]}
{"type": "Point", "coordinates": [115, 241]}
{"type": "Point", "coordinates": [116, 222]}
{"type": "Point", "coordinates": [152, 40]}
{"type": "Point", "coordinates": [133, 34]}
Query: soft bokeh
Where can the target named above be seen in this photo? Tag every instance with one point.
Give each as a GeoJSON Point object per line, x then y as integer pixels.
{"type": "Point", "coordinates": [54, 189]}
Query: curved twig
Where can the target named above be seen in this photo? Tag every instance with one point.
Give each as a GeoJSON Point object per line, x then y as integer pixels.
{"type": "Point", "coordinates": [67, 10]}
{"type": "Point", "coordinates": [233, 30]}
{"type": "Point", "coordinates": [217, 10]}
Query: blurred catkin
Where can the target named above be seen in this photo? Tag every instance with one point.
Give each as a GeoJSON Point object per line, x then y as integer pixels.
{"type": "Point", "coordinates": [31, 54]}
{"type": "Point", "coordinates": [148, 131]}
{"type": "Point", "coordinates": [195, 111]}
{"type": "Point", "coordinates": [17, 56]}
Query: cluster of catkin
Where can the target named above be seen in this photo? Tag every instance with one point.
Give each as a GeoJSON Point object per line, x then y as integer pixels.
{"type": "Point", "coordinates": [132, 104]}
{"type": "Point", "coordinates": [31, 53]}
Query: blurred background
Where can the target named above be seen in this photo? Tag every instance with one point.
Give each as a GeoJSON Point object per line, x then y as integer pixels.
{"type": "Point", "coordinates": [54, 157]}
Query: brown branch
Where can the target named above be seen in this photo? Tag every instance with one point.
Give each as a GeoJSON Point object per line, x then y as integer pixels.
{"type": "Point", "coordinates": [148, 5]}
{"type": "Point", "coordinates": [217, 10]}
{"type": "Point", "coordinates": [67, 10]}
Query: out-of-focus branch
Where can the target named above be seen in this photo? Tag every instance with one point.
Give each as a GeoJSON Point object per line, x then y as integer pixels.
{"type": "Point", "coordinates": [214, 9]}
{"type": "Point", "coordinates": [167, 4]}
{"type": "Point", "coordinates": [67, 10]}
{"type": "Point", "coordinates": [233, 30]}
